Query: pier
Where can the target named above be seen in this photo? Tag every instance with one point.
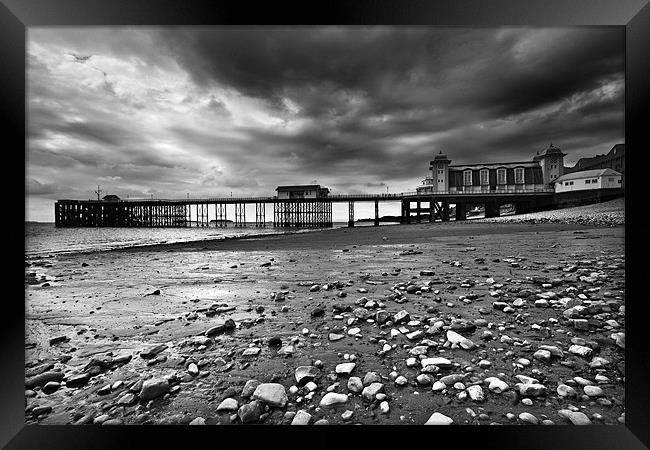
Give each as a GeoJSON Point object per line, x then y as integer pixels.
{"type": "Point", "coordinates": [295, 212]}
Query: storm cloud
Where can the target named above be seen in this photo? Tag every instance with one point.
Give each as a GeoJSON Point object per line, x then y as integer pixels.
{"type": "Point", "coordinates": [208, 110]}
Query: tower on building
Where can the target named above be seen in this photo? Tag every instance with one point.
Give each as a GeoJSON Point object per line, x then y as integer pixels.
{"type": "Point", "coordinates": [440, 172]}
{"type": "Point", "coordinates": [551, 162]}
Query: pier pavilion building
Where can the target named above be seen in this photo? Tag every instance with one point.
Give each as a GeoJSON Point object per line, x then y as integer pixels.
{"type": "Point", "coordinates": [534, 175]}
{"type": "Point", "coordinates": [302, 191]}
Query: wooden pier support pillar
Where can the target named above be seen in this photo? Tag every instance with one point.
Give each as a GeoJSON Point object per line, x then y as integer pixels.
{"type": "Point", "coordinates": [432, 213]}
{"type": "Point", "coordinates": [461, 211]}
{"type": "Point", "coordinates": [57, 214]}
{"type": "Point", "coordinates": [350, 214]}
{"type": "Point", "coordinates": [260, 214]}
{"type": "Point", "coordinates": [524, 207]}
{"type": "Point", "coordinates": [419, 212]}
{"type": "Point", "coordinates": [376, 213]}
{"type": "Point", "coordinates": [492, 209]}
{"type": "Point", "coordinates": [445, 210]}
{"type": "Point", "coordinates": [240, 214]}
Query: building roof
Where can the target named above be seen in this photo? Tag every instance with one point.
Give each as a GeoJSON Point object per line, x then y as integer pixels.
{"type": "Point", "coordinates": [298, 187]}
{"type": "Point", "coordinates": [617, 151]}
{"type": "Point", "coordinates": [522, 163]}
{"type": "Point", "coordinates": [595, 173]}
{"type": "Point", "coordinates": [110, 197]}
{"type": "Point", "coordinates": [440, 157]}
{"type": "Point", "coordinates": [550, 150]}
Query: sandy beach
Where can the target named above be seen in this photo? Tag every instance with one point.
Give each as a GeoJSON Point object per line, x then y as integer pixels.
{"type": "Point", "coordinates": [505, 323]}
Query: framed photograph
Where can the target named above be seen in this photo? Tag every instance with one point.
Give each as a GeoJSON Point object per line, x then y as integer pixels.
{"type": "Point", "coordinates": [363, 213]}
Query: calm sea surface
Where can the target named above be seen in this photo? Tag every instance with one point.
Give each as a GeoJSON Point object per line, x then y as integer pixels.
{"type": "Point", "coordinates": [44, 239]}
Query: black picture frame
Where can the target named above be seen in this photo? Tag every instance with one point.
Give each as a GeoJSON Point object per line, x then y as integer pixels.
{"type": "Point", "coordinates": [634, 15]}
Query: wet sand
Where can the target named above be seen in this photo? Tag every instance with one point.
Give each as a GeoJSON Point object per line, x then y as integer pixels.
{"type": "Point", "coordinates": [99, 302]}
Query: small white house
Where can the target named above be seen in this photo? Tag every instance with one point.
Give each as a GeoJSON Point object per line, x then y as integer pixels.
{"type": "Point", "coordinates": [589, 179]}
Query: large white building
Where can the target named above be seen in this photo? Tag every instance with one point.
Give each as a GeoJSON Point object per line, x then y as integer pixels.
{"type": "Point", "coordinates": [589, 179]}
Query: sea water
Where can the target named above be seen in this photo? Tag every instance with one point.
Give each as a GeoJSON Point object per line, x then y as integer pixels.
{"type": "Point", "coordinates": [44, 239]}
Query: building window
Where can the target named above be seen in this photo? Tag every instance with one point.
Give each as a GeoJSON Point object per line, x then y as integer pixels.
{"type": "Point", "coordinates": [485, 176]}
{"type": "Point", "coordinates": [571, 183]}
{"type": "Point", "coordinates": [501, 176]}
{"type": "Point", "coordinates": [519, 175]}
{"type": "Point", "coordinates": [467, 177]}
{"type": "Point", "coordinates": [595, 180]}
{"type": "Point", "coordinates": [587, 181]}
{"type": "Point", "coordinates": [611, 180]}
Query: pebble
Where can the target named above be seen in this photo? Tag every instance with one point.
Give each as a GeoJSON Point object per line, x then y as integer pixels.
{"type": "Point", "coordinates": [439, 419]}
{"type": "Point", "coordinates": [370, 392]}
{"type": "Point", "coordinates": [332, 398]}
{"type": "Point", "coordinates": [532, 389]}
{"type": "Point", "coordinates": [597, 362]}
{"type": "Point", "coordinates": [153, 387]}
{"type": "Point", "coordinates": [437, 361]}
{"type": "Point", "coordinates": [593, 391]}
{"type": "Point", "coordinates": [566, 391]}
{"type": "Point", "coordinates": [438, 386]}
{"type": "Point", "coordinates": [39, 410]}
{"type": "Point", "coordinates": [252, 351]}
{"type": "Point", "coordinates": [51, 387]}
{"type": "Point", "coordinates": [127, 399]}
{"type": "Point", "coordinates": [576, 417]}
{"type": "Point", "coordinates": [101, 419]}
{"type": "Point", "coordinates": [497, 385]}
{"type": "Point", "coordinates": [476, 393]}
{"type": "Point", "coordinates": [250, 412]}
{"type": "Point", "coordinates": [302, 417]}
{"type": "Point", "coordinates": [371, 377]}
{"type": "Point", "coordinates": [455, 338]}
{"type": "Point", "coordinates": [401, 380]}
{"type": "Point", "coordinates": [304, 374]}
{"type": "Point", "coordinates": [528, 417]}
{"type": "Point", "coordinates": [345, 368]}
{"type": "Point", "coordinates": [250, 387]}
{"type": "Point", "coordinates": [580, 350]}
{"type": "Point", "coordinates": [287, 350]}
{"type": "Point", "coordinates": [542, 355]}
{"type": "Point", "coordinates": [228, 404]}
{"type": "Point", "coordinates": [273, 394]}
{"type": "Point", "coordinates": [355, 384]}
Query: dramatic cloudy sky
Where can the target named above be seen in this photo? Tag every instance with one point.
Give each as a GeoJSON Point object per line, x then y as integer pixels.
{"type": "Point", "coordinates": [209, 111]}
